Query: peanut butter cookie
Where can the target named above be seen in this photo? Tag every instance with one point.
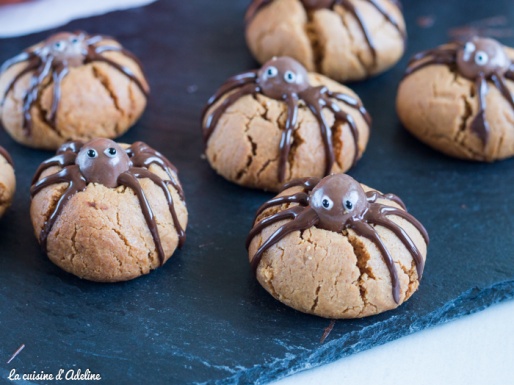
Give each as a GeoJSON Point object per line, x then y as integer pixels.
{"type": "Point", "coordinates": [342, 39]}
{"type": "Point", "coordinates": [7, 180]}
{"type": "Point", "coordinates": [457, 98]}
{"type": "Point", "coordinates": [72, 86]}
{"type": "Point", "coordinates": [272, 125]}
{"type": "Point", "coordinates": [336, 248]}
{"type": "Point", "coordinates": [108, 212]}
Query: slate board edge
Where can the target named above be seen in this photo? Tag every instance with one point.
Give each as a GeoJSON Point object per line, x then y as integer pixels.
{"type": "Point", "coordinates": [469, 302]}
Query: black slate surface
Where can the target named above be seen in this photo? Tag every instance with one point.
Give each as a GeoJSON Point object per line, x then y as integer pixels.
{"type": "Point", "coordinates": [203, 317]}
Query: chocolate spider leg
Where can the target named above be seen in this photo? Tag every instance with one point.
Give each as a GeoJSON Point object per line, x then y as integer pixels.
{"type": "Point", "coordinates": [231, 84]}
{"type": "Point", "coordinates": [144, 173]}
{"type": "Point", "coordinates": [389, 210]}
{"type": "Point", "coordinates": [479, 124]}
{"type": "Point", "coordinates": [61, 160]}
{"type": "Point", "coordinates": [286, 141]}
{"type": "Point", "coordinates": [510, 73]}
{"type": "Point", "coordinates": [502, 87]}
{"type": "Point", "coordinates": [24, 56]}
{"type": "Point", "coordinates": [302, 219]}
{"type": "Point", "coordinates": [58, 75]}
{"type": "Point", "coordinates": [389, 18]}
{"type": "Point", "coordinates": [373, 195]}
{"type": "Point", "coordinates": [348, 5]}
{"type": "Point", "coordinates": [92, 40]}
{"type": "Point", "coordinates": [32, 94]}
{"type": "Point", "coordinates": [342, 116]}
{"type": "Point", "coordinates": [301, 198]}
{"type": "Point", "coordinates": [113, 48]}
{"type": "Point", "coordinates": [93, 56]}
{"type": "Point", "coordinates": [213, 118]}
{"type": "Point", "coordinates": [76, 182]}
{"type": "Point", "coordinates": [449, 49]}
{"type": "Point", "coordinates": [31, 66]}
{"type": "Point", "coordinates": [129, 180]}
{"type": "Point", "coordinates": [73, 146]}
{"type": "Point", "coordinates": [364, 229]}
{"type": "Point", "coordinates": [316, 107]}
{"type": "Point", "coordinates": [352, 102]}
{"type": "Point", "coordinates": [307, 183]}
{"type": "Point", "coordinates": [382, 220]}
{"type": "Point", "coordinates": [440, 60]}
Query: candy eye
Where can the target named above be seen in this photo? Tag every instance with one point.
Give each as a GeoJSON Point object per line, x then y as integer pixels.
{"type": "Point", "coordinates": [271, 72]}
{"type": "Point", "coordinates": [59, 45]}
{"type": "Point", "coordinates": [290, 77]}
{"type": "Point", "coordinates": [348, 205]}
{"type": "Point", "coordinates": [350, 201]}
{"type": "Point", "coordinates": [74, 40]}
{"type": "Point", "coordinates": [92, 153]}
{"type": "Point", "coordinates": [327, 203]}
{"type": "Point", "coordinates": [481, 58]}
{"type": "Point", "coordinates": [110, 152]}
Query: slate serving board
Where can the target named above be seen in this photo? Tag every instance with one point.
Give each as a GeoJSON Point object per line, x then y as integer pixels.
{"type": "Point", "coordinates": [203, 317]}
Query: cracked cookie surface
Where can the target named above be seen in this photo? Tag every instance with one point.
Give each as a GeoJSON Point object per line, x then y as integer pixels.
{"type": "Point", "coordinates": [7, 181]}
{"type": "Point", "coordinates": [329, 41]}
{"type": "Point", "coordinates": [101, 234]}
{"type": "Point", "coordinates": [96, 100]}
{"type": "Point", "coordinates": [438, 106]}
{"type": "Point", "coordinates": [245, 146]}
{"type": "Point", "coordinates": [336, 274]}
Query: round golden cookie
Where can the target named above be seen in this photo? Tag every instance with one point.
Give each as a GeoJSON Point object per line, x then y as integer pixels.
{"type": "Point", "coordinates": [337, 249]}
{"type": "Point", "coordinates": [71, 86]}
{"type": "Point", "coordinates": [344, 39]}
{"type": "Point", "coordinates": [7, 180]}
{"type": "Point", "coordinates": [269, 126]}
{"type": "Point", "coordinates": [457, 98]}
{"type": "Point", "coordinates": [107, 212]}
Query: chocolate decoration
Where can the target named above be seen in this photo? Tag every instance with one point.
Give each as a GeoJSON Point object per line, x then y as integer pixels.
{"type": "Point", "coordinates": [105, 162]}
{"type": "Point", "coordinates": [480, 60]}
{"type": "Point", "coordinates": [52, 60]}
{"type": "Point", "coordinates": [286, 80]}
{"type": "Point", "coordinates": [6, 156]}
{"type": "Point", "coordinates": [347, 5]}
{"type": "Point", "coordinates": [337, 203]}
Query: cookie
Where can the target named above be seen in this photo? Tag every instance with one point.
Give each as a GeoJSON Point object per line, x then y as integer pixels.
{"type": "Point", "coordinates": [71, 86]}
{"type": "Point", "coordinates": [7, 180]}
{"type": "Point", "coordinates": [457, 98]}
{"type": "Point", "coordinates": [268, 126]}
{"type": "Point", "coordinates": [336, 248]}
{"type": "Point", "coordinates": [345, 40]}
{"type": "Point", "coordinates": [108, 212]}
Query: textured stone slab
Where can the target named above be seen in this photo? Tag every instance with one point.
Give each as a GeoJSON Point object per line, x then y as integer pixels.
{"type": "Point", "coordinates": [203, 318]}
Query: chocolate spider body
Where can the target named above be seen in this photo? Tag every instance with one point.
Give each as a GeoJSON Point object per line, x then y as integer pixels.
{"type": "Point", "coordinates": [104, 162]}
{"type": "Point", "coordinates": [51, 61]}
{"type": "Point", "coordinates": [337, 203]}
{"type": "Point", "coordinates": [286, 80]}
{"type": "Point", "coordinates": [480, 60]}
{"type": "Point", "coordinates": [313, 5]}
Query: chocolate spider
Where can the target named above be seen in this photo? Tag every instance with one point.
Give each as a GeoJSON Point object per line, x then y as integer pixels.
{"type": "Point", "coordinates": [313, 5]}
{"type": "Point", "coordinates": [286, 80]}
{"type": "Point", "coordinates": [336, 203]}
{"type": "Point", "coordinates": [103, 161]}
{"type": "Point", "coordinates": [480, 60]}
{"type": "Point", "coordinates": [53, 58]}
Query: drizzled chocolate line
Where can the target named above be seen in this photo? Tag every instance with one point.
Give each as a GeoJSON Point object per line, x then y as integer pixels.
{"type": "Point", "coordinates": [6, 155]}
{"type": "Point", "coordinates": [479, 60]}
{"type": "Point", "coordinates": [92, 162]}
{"type": "Point", "coordinates": [271, 81]}
{"type": "Point", "coordinates": [310, 5]}
{"type": "Point", "coordinates": [338, 203]}
{"type": "Point", "coordinates": [50, 62]}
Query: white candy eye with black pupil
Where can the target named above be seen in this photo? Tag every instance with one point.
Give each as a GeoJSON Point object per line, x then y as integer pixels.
{"type": "Point", "coordinates": [481, 58]}
{"type": "Point", "coordinates": [271, 72]}
{"type": "Point", "coordinates": [110, 152]}
{"type": "Point", "coordinates": [290, 77]}
{"type": "Point", "coordinates": [74, 40]}
{"type": "Point", "coordinates": [91, 153]}
{"type": "Point", "coordinates": [348, 205]}
{"type": "Point", "coordinates": [59, 45]}
{"type": "Point", "coordinates": [327, 203]}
